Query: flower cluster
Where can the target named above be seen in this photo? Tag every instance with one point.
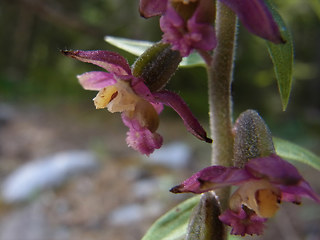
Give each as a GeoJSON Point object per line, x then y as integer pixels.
{"type": "Point", "coordinates": [120, 91]}
{"type": "Point", "coordinates": [262, 178]}
{"type": "Point", "coordinates": [263, 183]}
{"type": "Point", "coordinates": [188, 24]}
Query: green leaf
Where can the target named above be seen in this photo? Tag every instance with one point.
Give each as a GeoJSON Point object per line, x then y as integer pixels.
{"type": "Point", "coordinates": [315, 5]}
{"type": "Point", "coordinates": [234, 237]}
{"type": "Point", "coordinates": [137, 47]}
{"type": "Point", "coordinates": [134, 47]}
{"type": "Point", "coordinates": [291, 151]}
{"type": "Point", "coordinates": [282, 58]}
{"type": "Point", "coordinates": [193, 60]}
{"type": "Point", "coordinates": [173, 225]}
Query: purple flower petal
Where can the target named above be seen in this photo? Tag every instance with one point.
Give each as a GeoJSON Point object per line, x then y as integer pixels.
{"type": "Point", "coordinates": [275, 169]}
{"type": "Point", "coordinates": [201, 24]}
{"type": "Point", "coordinates": [203, 36]}
{"type": "Point", "coordinates": [294, 193]}
{"type": "Point", "coordinates": [243, 223]}
{"type": "Point", "coordinates": [256, 17]}
{"type": "Point", "coordinates": [150, 8]}
{"type": "Point", "coordinates": [174, 101]}
{"type": "Point", "coordinates": [141, 139]}
{"type": "Point", "coordinates": [111, 61]}
{"type": "Point", "coordinates": [96, 80]}
{"type": "Point", "coordinates": [282, 175]}
{"type": "Point", "coordinates": [211, 178]}
{"type": "Point", "coordinates": [195, 33]}
{"type": "Point", "coordinates": [175, 32]}
{"type": "Point", "coordinates": [141, 89]}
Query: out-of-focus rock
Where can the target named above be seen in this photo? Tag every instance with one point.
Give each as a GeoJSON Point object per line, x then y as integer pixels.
{"type": "Point", "coordinates": [7, 114]}
{"type": "Point", "coordinates": [133, 213]}
{"type": "Point", "coordinates": [45, 173]}
{"type": "Point", "coordinates": [175, 155]}
{"type": "Point", "coordinates": [147, 188]}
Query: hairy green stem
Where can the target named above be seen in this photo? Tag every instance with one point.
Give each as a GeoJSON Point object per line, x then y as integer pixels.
{"type": "Point", "coordinates": [220, 102]}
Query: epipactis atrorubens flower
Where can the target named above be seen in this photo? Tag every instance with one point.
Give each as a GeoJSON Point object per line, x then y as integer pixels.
{"type": "Point", "coordinates": [188, 24]}
{"type": "Point", "coordinates": [120, 91]}
{"type": "Point", "coordinates": [263, 183]}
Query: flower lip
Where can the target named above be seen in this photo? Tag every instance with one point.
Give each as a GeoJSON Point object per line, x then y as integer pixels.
{"type": "Point", "coordinates": [243, 222]}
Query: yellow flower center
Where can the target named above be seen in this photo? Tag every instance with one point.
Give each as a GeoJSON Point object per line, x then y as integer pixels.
{"type": "Point", "coordinates": [121, 98]}
{"type": "Point", "coordinates": [260, 196]}
{"type": "Point", "coordinates": [267, 202]}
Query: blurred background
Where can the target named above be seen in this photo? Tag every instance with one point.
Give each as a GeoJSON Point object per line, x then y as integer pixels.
{"type": "Point", "coordinates": [65, 169]}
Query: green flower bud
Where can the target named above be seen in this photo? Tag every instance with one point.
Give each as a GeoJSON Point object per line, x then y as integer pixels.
{"type": "Point", "coordinates": [204, 222]}
{"type": "Point", "coordinates": [253, 138]}
{"type": "Point", "coordinates": [157, 65]}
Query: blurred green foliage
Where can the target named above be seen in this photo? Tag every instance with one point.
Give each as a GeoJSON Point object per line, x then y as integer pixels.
{"type": "Point", "coordinates": [32, 69]}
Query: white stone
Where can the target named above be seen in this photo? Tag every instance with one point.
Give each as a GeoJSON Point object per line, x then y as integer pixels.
{"type": "Point", "coordinates": [175, 155]}
{"type": "Point", "coordinates": [133, 213]}
{"type": "Point", "coordinates": [44, 173]}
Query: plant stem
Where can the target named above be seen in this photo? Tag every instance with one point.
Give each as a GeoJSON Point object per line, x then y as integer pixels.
{"type": "Point", "coordinates": [220, 103]}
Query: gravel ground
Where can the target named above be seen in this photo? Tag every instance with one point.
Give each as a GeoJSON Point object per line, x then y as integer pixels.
{"type": "Point", "coordinates": [111, 202]}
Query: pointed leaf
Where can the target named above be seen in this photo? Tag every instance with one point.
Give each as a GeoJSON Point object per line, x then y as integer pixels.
{"type": "Point", "coordinates": [282, 58]}
{"type": "Point", "coordinates": [291, 151]}
{"type": "Point", "coordinates": [137, 47]}
{"type": "Point", "coordinates": [173, 225]}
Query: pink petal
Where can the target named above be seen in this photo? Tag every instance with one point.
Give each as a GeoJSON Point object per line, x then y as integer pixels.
{"type": "Point", "coordinates": [243, 223]}
{"type": "Point", "coordinates": [196, 33]}
{"type": "Point", "coordinates": [111, 61]}
{"type": "Point", "coordinates": [201, 24]}
{"type": "Point", "coordinates": [206, 35]}
{"type": "Point", "coordinates": [211, 178]}
{"type": "Point", "coordinates": [141, 139]}
{"type": "Point", "coordinates": [205, 12]}
{"type": "Point", "coordinates": [150, 8]}
{"type": "Point", "coordinates": [141, 89]}
{"type": "Point", "coordinates": [96, 80]}
{"type": "Point", "coordinates": [173, 27]}
{"type": "Point", "coordinates": [284, 176]}
{"type": "Point", "coordinates": [256, 17]}
{"type": "Point", "coordinates": [174, 101]}
{"type": "Point", "coordinates": [275, 169]}
{"type": "Point", "coordinates": [294, 193]}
